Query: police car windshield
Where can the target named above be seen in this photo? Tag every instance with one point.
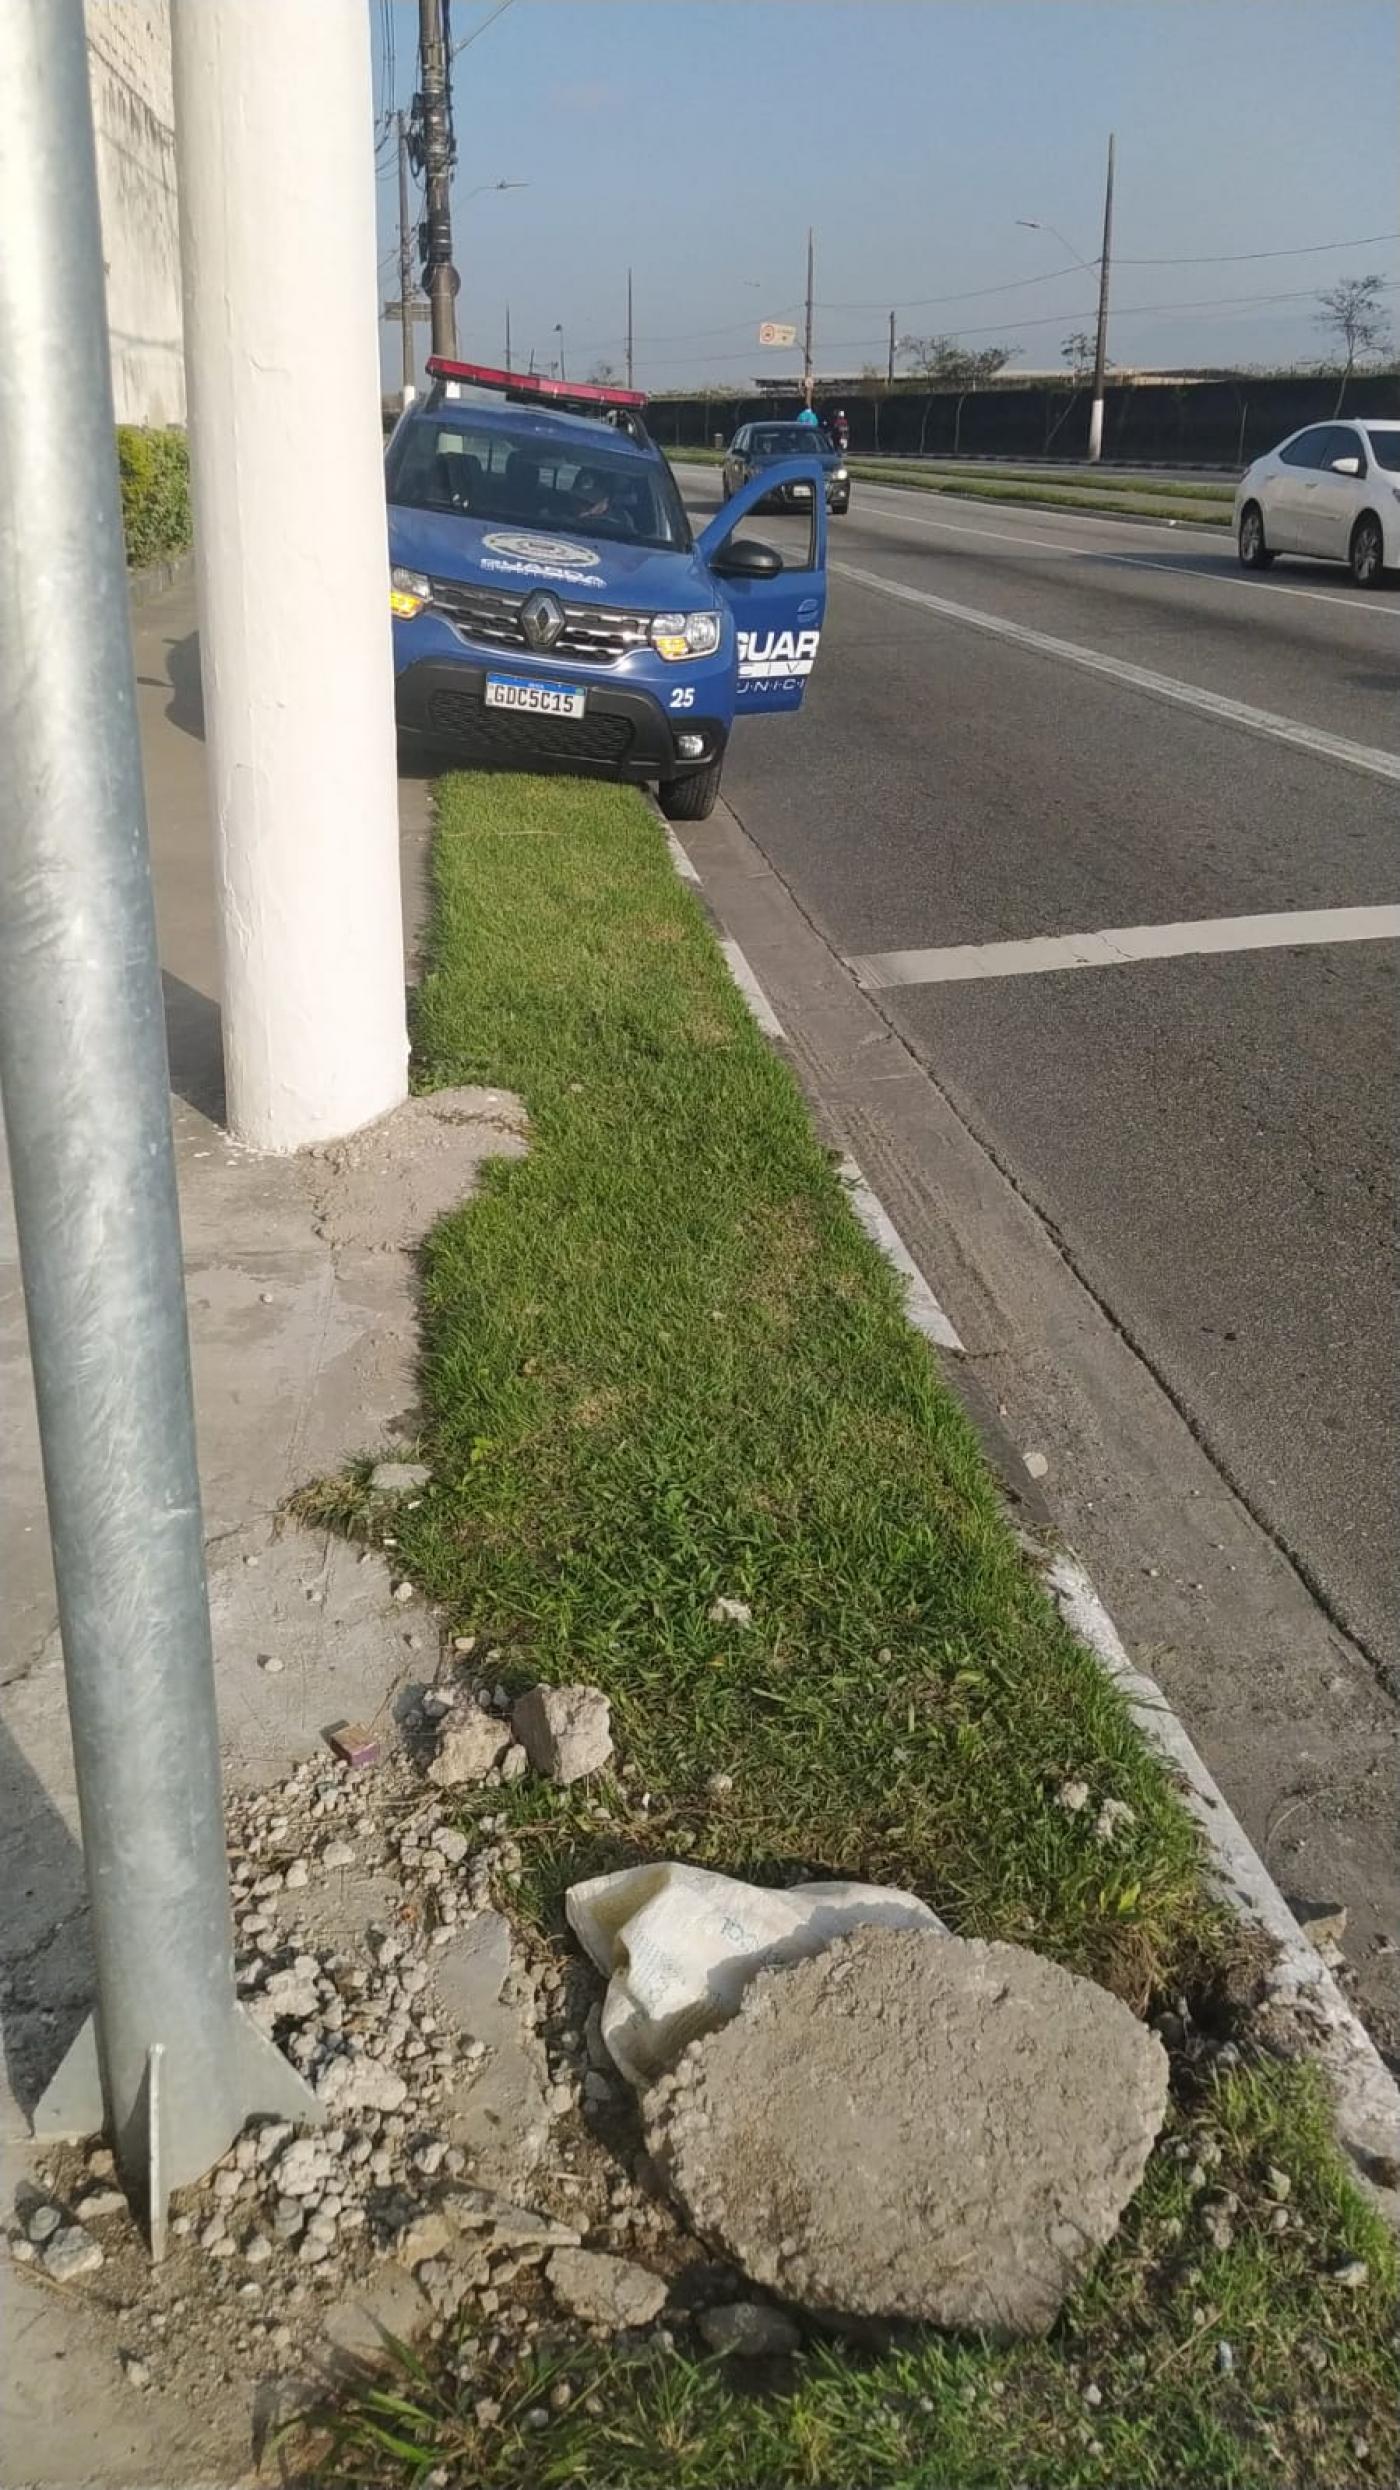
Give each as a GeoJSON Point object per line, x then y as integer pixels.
{"type": "Point", "coordinates": [484, 471]}
{"type": "Point", "coordinates": [789, 440]}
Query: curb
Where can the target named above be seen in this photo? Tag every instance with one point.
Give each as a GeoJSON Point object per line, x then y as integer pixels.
{"type": "Point", "coordinates": [142, 586]}
{"type": "Point", "coordinates": [1300, 1989]}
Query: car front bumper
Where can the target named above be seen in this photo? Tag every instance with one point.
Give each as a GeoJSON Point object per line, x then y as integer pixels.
{"type": "Point", "coordinates": [624, 732]}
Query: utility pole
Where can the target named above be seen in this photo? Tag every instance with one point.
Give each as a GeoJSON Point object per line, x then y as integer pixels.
{"type": "Point", "coordinates": [807, 332]}
{"type": "Point", "coordinates": [889, 367]}
{"type": "Point", "coordinates": [407, 392]}
{"type": "Point", "coordinates": [170, 2066]}
{"type": "Point", "coordinates": [440, 279]}
{"type": "Point", "coordinates": [507, 337]}
{"type": "Point", "coordinates": [629, 329]}
{"type": "Point", "coordinates": [1101, 341]}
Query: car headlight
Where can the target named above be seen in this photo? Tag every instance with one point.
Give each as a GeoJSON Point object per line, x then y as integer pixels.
{"type": "Point", "coordinates": [409, 592]}
{"type": "Point", "coordinates": [841, 474]}
{"type": "Point", "coordinates": [679, 636]}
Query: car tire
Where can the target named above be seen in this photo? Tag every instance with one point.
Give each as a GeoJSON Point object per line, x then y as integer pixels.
{"type": "Point", "coordinates": [692, 798]}
{"type": "Point", "coordinates": [1366, 553]}
{"type": "Point", "coordinates": [1254, 553]}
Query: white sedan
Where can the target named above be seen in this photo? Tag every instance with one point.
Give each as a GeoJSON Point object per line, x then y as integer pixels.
{"type": "Point", "coordinates": [1332, 491]}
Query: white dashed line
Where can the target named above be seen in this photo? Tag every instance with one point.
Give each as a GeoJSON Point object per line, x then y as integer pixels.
{"type": "Point", "coordinates": [1117, 945]}
{"type": "Point", "coordinates": [1313, 739]}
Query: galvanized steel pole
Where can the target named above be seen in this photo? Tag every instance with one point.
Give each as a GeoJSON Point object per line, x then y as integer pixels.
{"type": "Point", "coordinates": [86, 1097]}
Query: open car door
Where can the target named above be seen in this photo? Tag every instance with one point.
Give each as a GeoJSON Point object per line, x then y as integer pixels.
{"type": "Point", "coordinates": [777, 606]}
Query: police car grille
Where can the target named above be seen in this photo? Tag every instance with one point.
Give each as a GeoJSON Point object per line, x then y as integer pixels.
{"type": "Point", "coordinates": [519, 734]}
{"type": "Point", "coordinates": [593, 634]}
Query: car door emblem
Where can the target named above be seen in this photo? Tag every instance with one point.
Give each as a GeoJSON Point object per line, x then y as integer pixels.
{"type": "Point", "coordinates": [541, 619]}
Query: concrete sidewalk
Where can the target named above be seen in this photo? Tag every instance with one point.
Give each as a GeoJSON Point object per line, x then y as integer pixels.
{"type": "Point", "coordinates": [300, 1277]}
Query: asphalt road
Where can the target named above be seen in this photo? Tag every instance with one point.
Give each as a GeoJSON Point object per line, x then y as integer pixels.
{"type": "Point", "coordinates": [1208, 1137]}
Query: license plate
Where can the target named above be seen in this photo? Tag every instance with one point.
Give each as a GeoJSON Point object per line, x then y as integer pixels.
{"type": "Point", "coordinates": [547, 700]}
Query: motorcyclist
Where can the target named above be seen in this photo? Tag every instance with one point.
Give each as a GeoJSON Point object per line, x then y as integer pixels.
{"type": "Point", "coordinates": [839, 429]}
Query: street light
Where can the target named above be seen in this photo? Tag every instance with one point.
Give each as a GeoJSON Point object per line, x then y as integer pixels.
{"type": "Point", "coordinates": [559, 333]}
{"type": "Point", "coordinates": [1039, 224]}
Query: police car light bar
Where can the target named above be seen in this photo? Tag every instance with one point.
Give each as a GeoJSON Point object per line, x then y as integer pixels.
{"type": "Point", "coordinates": [534, 384]}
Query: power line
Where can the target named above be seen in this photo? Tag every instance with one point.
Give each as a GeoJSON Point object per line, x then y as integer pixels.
{"type": "Point", "coordinates": [1218, 259]}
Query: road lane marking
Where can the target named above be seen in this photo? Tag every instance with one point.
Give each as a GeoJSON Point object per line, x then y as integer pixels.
{"type": "Point", "coordinates": [1373, 606]}
{"type": "Point", "coordinates": [1313, 739]}
{"type": "Point", "coordinates": [1117, 945]}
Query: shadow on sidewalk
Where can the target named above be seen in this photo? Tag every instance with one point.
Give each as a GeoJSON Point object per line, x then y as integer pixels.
{"type": "Point", "coordinates": [45, 1953]}
{"type": "Point", "coordinates": [185, 707]}
{"type": "Point", "coordinates": [194, 1043]}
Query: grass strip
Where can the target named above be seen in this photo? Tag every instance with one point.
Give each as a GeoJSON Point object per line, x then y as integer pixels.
{"type": "Point", "coordinates": [1193, 505]}
{"type": "Point", "coordinates": [662, 1363]}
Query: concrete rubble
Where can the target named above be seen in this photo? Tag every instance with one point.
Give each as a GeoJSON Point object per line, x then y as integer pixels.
{"type": "Point", "coordinates": [566, 1731]}
{"type": "Point", "coordinates": [914, 2126]}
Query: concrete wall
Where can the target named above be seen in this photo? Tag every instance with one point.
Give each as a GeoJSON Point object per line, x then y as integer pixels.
{"type": "Point", "coordinates": [133, 116]}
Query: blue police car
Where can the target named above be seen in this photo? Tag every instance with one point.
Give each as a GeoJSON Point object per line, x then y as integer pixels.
{"type": "Point", "coordinates": [552, 609]}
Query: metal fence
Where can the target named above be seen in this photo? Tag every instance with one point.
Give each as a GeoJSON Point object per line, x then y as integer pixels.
{"type": "Point", "coordinates": [1213, 423]}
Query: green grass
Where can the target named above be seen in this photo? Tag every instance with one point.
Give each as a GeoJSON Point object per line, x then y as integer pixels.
{"type": "Point", "coordinates": [662, 1361]}
{"type": "Point", "coordinates": [1196, 505]}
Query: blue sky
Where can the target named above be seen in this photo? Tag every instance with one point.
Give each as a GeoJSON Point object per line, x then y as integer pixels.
{"type": "Point", "coordinates": [697, 139]}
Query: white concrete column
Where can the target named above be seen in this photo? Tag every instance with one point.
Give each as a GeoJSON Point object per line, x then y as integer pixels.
{"type": "Point", "coordinates": [1096, 429]}
{"type": "Point", "coordinates": [273, 122]}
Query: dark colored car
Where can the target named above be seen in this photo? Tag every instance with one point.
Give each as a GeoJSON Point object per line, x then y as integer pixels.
{"type": "Point", "coordinates": [760, 445]}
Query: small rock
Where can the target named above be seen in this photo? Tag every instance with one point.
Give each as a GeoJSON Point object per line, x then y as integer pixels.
{"type": "Point", "coordinates": [726, 1611]}
{"type": "Point", "coordinates": [1278, 2184]}
{"type": "Point", "coordinates": [470, 1744]}
{"type": "Point", "coordinates": [23, 2251]}
{"type": "Point", "coordinates": [605, 2291]}
{"type": "Point", "coordinates": [749, 2330]}
{"type": "Point", "coordinates": [1113, 1817]}
{"type": "Point", "coordinates": [565, 1730]}
{"type": "Point", "coordinates": [269, 1663]}
{"type": "Point", "coordinates": [298, 1874]}
{"type": "Point", "coordinates": [42, 2224]}
{"type": "Point", "coordinates": [101, 2162]}
{"type": "Point", "coordinates": [135, 2371]}
{"type": "Point", "coordinates": [271, 2138]}
{"type": "Point", "coordinates": [71, 2253]}
{"type": "Point", "coordinates": [256, 2250]}
{"type": "Point", "coordinates": [1093, 2396]}
{"type": "Point", "coordinates": [1325, 1927]}
{"type": "Point", "coordinates": [360, 2083]}
{"type": "Point", "coordinates": [1036, 1464]}
{"type": "Point", "coordinates": [720, 1784]}
{"type": "Point", "coordinates": [1353, 2276]}
{"type": "Point", "coordinates": [427, 2237]}
{"type": "Point", "coordinates": [436, 1703]}
{"type": "Point", "coordinates": [450, 1844]}
{"type": "Point", "coordinates": [399, 1478]}
{"type": "Point", "coordinates": [429, 2158]}
{"type": "Point", "coordinates": [404, 1592]}
{"type": "Point", "coordinates": [338, 1855]}
{"type": "Point", "coordinates": [1073, 1796]}
{"type": "Point", "coordinates": [1225, 2359]}
{"type": "Point", "coordinates": [514, 1764]}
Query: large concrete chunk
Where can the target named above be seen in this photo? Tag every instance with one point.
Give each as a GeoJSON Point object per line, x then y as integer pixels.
{"type": "Point", "coordinates": [914, 2126]}
{"type": "Point", "coordinates": [565, 1730]}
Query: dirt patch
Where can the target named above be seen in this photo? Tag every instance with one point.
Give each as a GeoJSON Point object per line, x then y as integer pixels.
{"type": "Point", "coordinates": [382, 1189]}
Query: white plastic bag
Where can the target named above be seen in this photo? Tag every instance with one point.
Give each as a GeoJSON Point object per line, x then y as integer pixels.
{"type": "Point", "coordinates": [678, 1946]}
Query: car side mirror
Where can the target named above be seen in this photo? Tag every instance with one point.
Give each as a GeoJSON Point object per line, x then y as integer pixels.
{"type": "Point", "coordinates": [745, 558]}
{"type": "Point", "coordinates": [1346, 466]}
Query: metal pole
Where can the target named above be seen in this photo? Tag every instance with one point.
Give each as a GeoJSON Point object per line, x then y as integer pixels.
{"type": "Point", "coordinates": [630, 382]}
{"type": "Point", "coordinates": [1101, 340]}
{"type": "Point", "coordinates": [807, 332]}
{"type": "Point", "coordinates": [507, 337]}
{"type": "Point", "coordinates": [443, 282]}
{"type": "Point", "coordinates": [170, 2066]}
{"type": "Point", "coordinates": [889, 368]}
{"type": "Point", "coordinates": [408, 391]}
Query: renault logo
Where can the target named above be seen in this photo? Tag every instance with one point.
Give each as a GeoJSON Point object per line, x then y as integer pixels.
{"type": "Point", "coordinates": [541, 619]}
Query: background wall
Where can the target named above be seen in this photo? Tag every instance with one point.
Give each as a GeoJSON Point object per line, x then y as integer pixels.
{"type": "Point", "coordinates": [133, 116]}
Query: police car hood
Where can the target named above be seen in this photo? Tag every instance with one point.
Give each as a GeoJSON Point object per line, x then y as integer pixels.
{"type": "Point", "coordinates": [594, 570]}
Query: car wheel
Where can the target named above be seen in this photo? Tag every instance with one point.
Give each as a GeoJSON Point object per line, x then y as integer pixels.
{"type": "Point", "coordinates": [1367, 556]}
{"type": "Point", "coordinates": [1254, 553]}
{"type": "Point", "coordinates": [693, 798]}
